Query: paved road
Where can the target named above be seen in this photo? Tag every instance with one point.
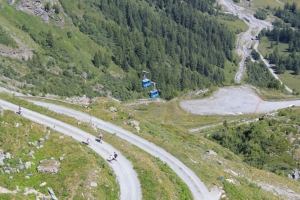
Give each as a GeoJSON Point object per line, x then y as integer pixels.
{"type": "Point", "coordinates": [130, 187]}
{"type": "Point", "coordinates": [196, 186]}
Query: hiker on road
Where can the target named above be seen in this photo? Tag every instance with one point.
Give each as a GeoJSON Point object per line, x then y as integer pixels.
{"type": "Point", "coordinates": [115, 156]}
{"type": "Point", "coordinates": [88, 141]}
{"type": "Point", "coordinates": [110, 158]}
{"type": "Point", "coordinates": [100, 138]}
{"type": "Point", "coordinates": [20, 110]}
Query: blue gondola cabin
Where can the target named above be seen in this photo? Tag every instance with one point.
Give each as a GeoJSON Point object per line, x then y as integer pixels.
{"type": "Point", "coordinates": [146, 83]}
{"type": "Point", "coordinates": [153, 94]}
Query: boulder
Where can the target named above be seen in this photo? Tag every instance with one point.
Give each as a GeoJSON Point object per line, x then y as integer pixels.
{"type": "Point", "coordinates": [48, 166]}
{"type": "Point", "coordinates": [93, 184]}
{"type": "Point", "coordinates": [210, 152]}
{"type": "Point", "coordinates": [43, 184]}
{"type": "Point", "coordinates": [21, 166]}
{"type": "Point", "coordinates": [296, 174]}
{"type": "Point", "coordinates": [27, 165]}
{"type": "Point", "coordinates": [10, 2]}
{"type": "Point", "coordinates": [42, 140]}
{"type": "Point", "coordinates": [7, 155]}
{"type": "Point", "coordinates": [1, 159]}
{"type": "Point", "coordinates": [31, 154]}
{"type": "Point", "coordinates": [112, 109]}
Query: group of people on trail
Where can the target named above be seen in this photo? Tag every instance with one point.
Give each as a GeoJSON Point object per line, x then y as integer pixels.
{"type": "Point", "coordinates": [88, 140]}
{"type": "Point", "coordinates": [112, 157]}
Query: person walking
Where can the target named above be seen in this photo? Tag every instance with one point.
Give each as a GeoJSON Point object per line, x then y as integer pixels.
{"type": "Point", "coordinates": [100, 138]}
{"type": "Point", "coordinates": [88, 141]}
{"type": "Point", "coordinates": [110, 158]}
{"type": "Point", "coordinates": [20, 110]}
{"type": "Point", "coordinates": [115, 156]}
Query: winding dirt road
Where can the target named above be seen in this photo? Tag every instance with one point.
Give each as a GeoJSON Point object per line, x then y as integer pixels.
{"type": "Point", "coordinates": [196, 186]}
{"type": "Point", "coordinates": [246, 39]}
{"type": "Point", "coordinates": [130, 187]}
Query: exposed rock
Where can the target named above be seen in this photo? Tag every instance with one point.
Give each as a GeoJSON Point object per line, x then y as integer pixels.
{"type": "Point", "coordinates": [10, 2]}
{"type": "Point", "coordinates": [20, 166]}
{"type": "Point", "coordinates": [27, 165]}
{"type": "Point", "coordinates": [61, 137]}
{"type": "Point", "coordinates": [31, 154]}
{"type": "Point", "coordinates": [20, 161]}
{"type": "Point", "coordinates": [41, 140]}
{"type": "Point", "coordinates": [43, 184]}
{"type": "Point", "coordinates": [93, 184]}
{"type": "Point", "coordinates": [27, 177]}
{"type": "Point", "coordinates": [135, 124]}
{"type": "Point", "coordinates": [7, 171]}
{"type": "Point", "coordinates": [14, 170]}
{"type": "Point", "coordinates": [33, 7]}
{"type": "Point", "coordinates": [220, 162]}
{"type": "Point", "coordinates": [112, 109]}
{"type": "Point", "coordinates": [1, 159]}
{"type": "Point", "coordinates": [7, 155]}
{"type": "Point", "coordinates": [10, 177]}
{"type": "Point", "coordinates": [296, 174]}
{"type": "Point", "coordinates": [61, 158]}
{"type": "Point", "coordinates": [17, 124]}
{"type": "Point", "coordinates": [210, 152]}
{"type": "Point", "coordinates": [46, 137]}
{"type": "Point", "coordinates": [48, 166]}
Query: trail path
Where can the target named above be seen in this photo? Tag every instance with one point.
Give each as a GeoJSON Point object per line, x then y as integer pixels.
{"type": "Point", "coordinates": [196, 186]}
{"type": "Point", "coordinates": [246, 39]}
{"type": "Point", "coordinates": [130, 188]}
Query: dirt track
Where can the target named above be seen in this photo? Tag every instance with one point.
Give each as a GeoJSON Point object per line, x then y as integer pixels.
{"type": "Point", "coordinates": [196, 186]}
{"type": "Point", "coordinates": [235, 100]}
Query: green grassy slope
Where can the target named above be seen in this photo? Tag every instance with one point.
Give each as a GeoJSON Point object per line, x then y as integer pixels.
{"type": "Point", "coordinates": [79, 167]}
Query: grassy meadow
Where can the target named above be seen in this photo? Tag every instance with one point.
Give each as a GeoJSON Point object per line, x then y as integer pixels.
{"type": "Point", "coordinates": [78, 169]}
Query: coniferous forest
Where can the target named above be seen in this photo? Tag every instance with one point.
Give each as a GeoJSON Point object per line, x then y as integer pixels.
{"type": "Point", "coordinates": [179, 43]}
{"type": "Point", "coordinates": [286, 30]}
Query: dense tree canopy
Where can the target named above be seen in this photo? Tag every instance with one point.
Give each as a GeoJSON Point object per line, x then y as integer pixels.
{"type": "Point", "coordinates": [181, 47]}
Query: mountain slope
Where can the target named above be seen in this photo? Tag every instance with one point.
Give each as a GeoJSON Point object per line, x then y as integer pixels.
{"type": "Point", "coordinates": [99, 46]}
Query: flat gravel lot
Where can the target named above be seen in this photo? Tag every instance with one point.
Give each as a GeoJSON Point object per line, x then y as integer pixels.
{"type": "Point", "coordinates": [235, 100]}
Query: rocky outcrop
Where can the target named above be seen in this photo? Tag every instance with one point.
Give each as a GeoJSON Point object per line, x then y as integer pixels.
{"type": "Point", "coordinates": [33, 7]}
{"type": "Point", "coordinates": [10, 2]}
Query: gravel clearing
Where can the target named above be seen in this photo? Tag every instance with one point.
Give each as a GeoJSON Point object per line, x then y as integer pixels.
{"type": "Point", "coordinates": [130, 187]}
{"type": "Point", "coordinates": [235, 100]}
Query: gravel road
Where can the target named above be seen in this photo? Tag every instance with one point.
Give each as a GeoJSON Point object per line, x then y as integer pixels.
{"type": "Point", "coordinates": [196, 186]}
{"type": "Point", "coordinates": [130, 187]}
{"type": "Point", "coordinates": [245, 39]}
